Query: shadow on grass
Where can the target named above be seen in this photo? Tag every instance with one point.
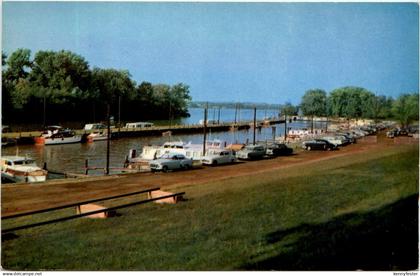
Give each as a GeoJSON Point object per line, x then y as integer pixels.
{"type": "Point", "coordinates": [383, 239]}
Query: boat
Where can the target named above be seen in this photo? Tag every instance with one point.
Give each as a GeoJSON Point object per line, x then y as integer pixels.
{"type": "Point", "coordinates": [189, 150]}
{"type": "Point", "coordinates": [55, 135]}
{"type": "Point", "coordinates": [97, 136]}
{"type": "Point", "coordinates": [21, 169]}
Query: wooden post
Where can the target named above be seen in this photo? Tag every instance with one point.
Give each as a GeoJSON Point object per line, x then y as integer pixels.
{"type": "Point", "coordinates": [273, 130]}
{"type": "Point", "coordinates": [86, 166]}
{"type": "Point", "coordinates": [108, 140]}
{"type": "Point", "coordinates": [205, 130]}
{"type": "Point", "coordinates": [255, 123]}
{"type": "Point", "coordinates": [285, 127]}
{"type": "Point", "coordinates": [312, 124]}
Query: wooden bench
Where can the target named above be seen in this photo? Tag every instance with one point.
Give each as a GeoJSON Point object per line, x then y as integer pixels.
{"type": "Point", "coordinates": [159, 193]}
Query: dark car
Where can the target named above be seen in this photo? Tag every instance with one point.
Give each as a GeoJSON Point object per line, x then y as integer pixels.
{"type": "Point", "coordinates": [318, 144]}
{"type": "Point", "coordinates": [276, 149]}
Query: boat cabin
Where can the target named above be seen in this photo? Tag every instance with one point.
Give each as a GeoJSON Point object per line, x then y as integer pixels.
{"type": "Point", "coordinates": [138, 125]}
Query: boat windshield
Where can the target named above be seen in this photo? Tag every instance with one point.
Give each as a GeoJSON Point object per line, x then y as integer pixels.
{"type": "Point", "coordinates": [24, 162]}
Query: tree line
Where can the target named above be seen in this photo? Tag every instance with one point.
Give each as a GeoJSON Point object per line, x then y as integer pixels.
{"type": "Point", "coordinates": [355, 103]}
{"type": "Point", "coordinates": [58, 86]}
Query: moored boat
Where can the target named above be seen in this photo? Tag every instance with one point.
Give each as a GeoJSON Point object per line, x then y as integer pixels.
{"type": "Point", "coordinates": [97, 136]}
{"type": "Point", "coordinates": [55, 135]}
{"type": "Point", "coordinates": [21, 169]}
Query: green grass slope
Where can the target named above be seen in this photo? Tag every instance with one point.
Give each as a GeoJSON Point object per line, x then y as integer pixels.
{"type": "Point", "coordinates": [349, 213]}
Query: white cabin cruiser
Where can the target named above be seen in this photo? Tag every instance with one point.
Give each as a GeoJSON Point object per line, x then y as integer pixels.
{"type": "Point", "coordinates": [21, 169]}
{"type": "Point", "coordinates": [191, 151]}
{"type": "Point", "coordinates": [55, 135]}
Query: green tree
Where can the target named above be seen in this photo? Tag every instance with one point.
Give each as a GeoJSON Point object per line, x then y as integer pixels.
{"type": "Point", "coordinates": [61, 76]}
{"type": "Point", "coordinates": [352, 102]}
{"type": "Point", "coordinates": [314, 103]}
{"type": "Point", "coordinates": [406, 109]}
{"type": "Point", "coordinates": [288, 109]}
{"type": "Point", "coordinates": [180, 98]}
{"type": "Point", "coordinates": [14, 84]}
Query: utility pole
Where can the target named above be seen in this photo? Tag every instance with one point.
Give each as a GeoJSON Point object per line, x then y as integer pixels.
{"type": "Point", "coordinates": [108, 139]}
{"type": "Point", "coordinates": [236, 112]}
{"type": "Point", "coordinates": [255, 123]}
{"type": "Point", "coordinates": [218, 117]}
{"type": "Point", "coordinates": [205, 130]}
{"type": "Point", "coordinates": [45, 109]}
{"type": "Point", "coordinates": [119, 111]}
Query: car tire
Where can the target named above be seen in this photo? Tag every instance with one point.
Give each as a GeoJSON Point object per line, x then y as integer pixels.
{"type": "Point", "coordinates": [214, 163]}
{"type": "Point", "coordinates": [165, 169]}
{"type": "Point", "coordinates": [186, 167]}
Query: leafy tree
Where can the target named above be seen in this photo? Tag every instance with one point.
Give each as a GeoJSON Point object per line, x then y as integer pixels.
{"type": "Point", "coordinates": [406, 108]}
{"type": "Point", "coordinates": [180, 98]}
{"type": "Point", "coordinates": [64, 76]}
{"type": "Point", "coordinates": [314, 102]}
{"type": "Point", "coordinates": [111, 84]}
{"type": "Point", "coordinates": [18, 64]}
{"type": "Point", "coordinates": [288, 109]}
{"type": "Point", "coordinates": [352, 102]}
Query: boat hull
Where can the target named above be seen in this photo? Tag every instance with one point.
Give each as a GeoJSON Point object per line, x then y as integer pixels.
{"type": "Point", "coordinates": [63, 140]}
{"type": "Point", "coordinates": [19, 176]}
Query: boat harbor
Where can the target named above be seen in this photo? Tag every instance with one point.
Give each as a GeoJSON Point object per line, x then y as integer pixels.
{"type": "Point", "coordinates": [28, 138]}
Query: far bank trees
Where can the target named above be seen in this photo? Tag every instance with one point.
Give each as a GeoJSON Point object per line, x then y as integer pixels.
{"type": "Point", "coordinates": [58, 86]}
{"type": "Point", "coordinates": [357, 102]}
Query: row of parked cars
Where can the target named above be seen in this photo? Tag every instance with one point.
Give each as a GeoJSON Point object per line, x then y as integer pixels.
{"type": "Point", "coordinates": [410, 131]}
{"type": "Point", "coordinates": [343, 138]}
{"type": "Point", "coordinates": [173, 161]}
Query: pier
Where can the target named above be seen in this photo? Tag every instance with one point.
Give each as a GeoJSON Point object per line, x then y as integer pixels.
{"type": "Point", "coordinates": [25, 138]}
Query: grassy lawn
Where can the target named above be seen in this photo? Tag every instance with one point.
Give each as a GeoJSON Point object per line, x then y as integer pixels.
{"type": "Point", "coordinates": [354, 212]}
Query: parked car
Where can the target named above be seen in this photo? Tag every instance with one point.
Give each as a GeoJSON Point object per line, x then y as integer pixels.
{"type": "Point", "coordinates": [333, 140]}
{"type": "Point", "coordinates": [350, 137]}
{"type": "Point", "coordinates": [251, 152]}
{"type": "Point", "coordinates": [318, 144]}
{"type": "Point", "coordinates": [170, 161]}
{"type": "Point", "coordinates": [217, 158]}
{"type": "Point", "coordinates": [276, 149]}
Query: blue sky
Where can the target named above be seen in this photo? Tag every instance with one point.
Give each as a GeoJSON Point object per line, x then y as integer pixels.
{"type": "Point", "coordinates": [255, 52]}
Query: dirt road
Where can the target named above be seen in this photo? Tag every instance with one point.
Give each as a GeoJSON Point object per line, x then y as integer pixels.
{"type": "Point", "coordinates": [17, 198]}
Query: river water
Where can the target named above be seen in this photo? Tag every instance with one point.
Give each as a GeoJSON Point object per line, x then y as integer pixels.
{"type": "Point", "coordinates": [71, 157]}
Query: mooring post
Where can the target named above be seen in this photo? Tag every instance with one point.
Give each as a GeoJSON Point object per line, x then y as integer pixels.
{"type": "Point", "coordinates": [273, 130]}
{"type": "Point", "coordinates": [205, 130]}
{"type": "Point", "coordinates": [285, 127]}
{"type": "Point", "coordinates": [255, 123]}
{"type": "Point", "coordinates": [86, 166]}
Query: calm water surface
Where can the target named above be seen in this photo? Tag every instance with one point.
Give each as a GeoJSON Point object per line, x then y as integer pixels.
{"type": "Point", "coordinates": [71, 157]}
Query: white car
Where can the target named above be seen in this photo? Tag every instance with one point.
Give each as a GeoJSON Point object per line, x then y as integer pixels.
{"type": "Point", "coordinates": [251, 152]}
{"type": "Point", "coordinates": [170, 161]}
{"type": "Point", "coordinates": [216, 158]}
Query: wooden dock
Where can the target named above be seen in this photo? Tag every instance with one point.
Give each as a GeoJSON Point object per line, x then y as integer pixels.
{"type": "Point", "coordinates": [27, 137]}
